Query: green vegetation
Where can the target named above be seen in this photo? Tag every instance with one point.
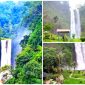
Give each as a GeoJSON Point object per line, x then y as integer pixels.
{"type": "Point", "coordinates": [76, 78]}
{"type": "Point", "coordinates": [48, 26]}
{"type": "Point", "coordinates": [54, 54]}
{"type": "Point", "coordinates": [59, 60]}
{"type": "Point", "coordinates": [50, 37]}
{"type": "Point", "coordinates": [28, 68]}
{"type": "Point", "coordinates": [6, 67]}
{"type": "Point", "coordinates": [57, 16]}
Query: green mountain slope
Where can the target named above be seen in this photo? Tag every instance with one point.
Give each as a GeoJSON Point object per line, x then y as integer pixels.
{"type": "Point", "coordinates": [52, 9]}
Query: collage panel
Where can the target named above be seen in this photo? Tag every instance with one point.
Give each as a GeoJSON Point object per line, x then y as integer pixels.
{"type": "Point", "coordinates": [63, 21]}
{"type": "Point", "coordinates": [64, 63]}
{"type": "Point", "coordinates": [20, 42]}
{"type": "Point", "coordinates": [42, 42]}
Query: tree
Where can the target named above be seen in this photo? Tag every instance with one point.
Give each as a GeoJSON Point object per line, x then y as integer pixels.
{"type": "Point", "coordinates": [57, 56]}
{"type": "Point", "coordinates": [52, 59]}
{"type": "Point", "coordinates": [55, 19]}
{"type": "Point", "coordinates": [48, 26]}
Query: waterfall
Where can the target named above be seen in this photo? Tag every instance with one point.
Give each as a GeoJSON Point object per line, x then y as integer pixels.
{"type": "Point", "coordinates": [5, 52]}
{"type": "Point", "coordinates": [16, 47]}
{"type": "Point", "coordinates": [75, 26]}
{"type": "Point", "coordinates": [72, 29]}
{"type": "Point", "coordinates": [78, 26]}
{"type": "Point", "coordinates": [80, 57]}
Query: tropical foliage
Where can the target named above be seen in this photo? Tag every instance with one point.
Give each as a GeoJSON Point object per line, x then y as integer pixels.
{"type": "Point", "coordinates": [28, 68]}
{"type": "Point", "coordinates": [58, 59]}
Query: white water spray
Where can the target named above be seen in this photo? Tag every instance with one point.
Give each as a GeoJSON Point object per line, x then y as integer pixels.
{"type": "Point", "coordinates": [72, 28]}
{"type": "Point", "coordinates": [78, 26]}
{"type": "Point", "coordinates": [5, 52]}
{"type": "Point", "coordinates": [80, 57]}
{"type": "Point", "coordinates": [75, 27]}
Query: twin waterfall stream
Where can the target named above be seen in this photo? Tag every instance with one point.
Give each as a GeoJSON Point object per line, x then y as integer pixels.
{"type": "Point", "coordinates": [75, 28]}
{"type": "Point", "coordinates": [80, 56]}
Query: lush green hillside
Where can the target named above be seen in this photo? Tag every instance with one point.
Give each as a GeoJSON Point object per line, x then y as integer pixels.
{"type": "Point", "coordinates": [60, 63]}
{"type": "Point", "coordinates": [59, 10]}
{"type": "Point", "coordinates": [59, 55]}
{"type": "Point", "coordinates": [28, 68]}
{"type": "Point", "coordinates": [56, 22]}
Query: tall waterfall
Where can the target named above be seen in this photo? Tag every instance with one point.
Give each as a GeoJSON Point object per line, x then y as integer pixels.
{"type": "Point", "coordinates": [75, 26]}
{"type": "Point", "coordinates": [72, 28]}
{"type": "Point", "coordinates": [80, 56]}
{"type": "Point", "coordinates": [78, 26]}
{"type": "Point", "coordinates": [5, 52]}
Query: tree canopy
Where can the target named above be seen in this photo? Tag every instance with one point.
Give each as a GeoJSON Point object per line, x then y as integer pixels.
{"type": "Point", "coordinates": [28, 68]}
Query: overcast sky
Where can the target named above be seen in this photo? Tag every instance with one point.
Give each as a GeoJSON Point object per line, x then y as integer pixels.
{"type": "Point", "coordinates": [73, 3]}
{"type": "Point", "coordinates": [76, 3]}
{"type": "Point", "coordinates": [16, 1]}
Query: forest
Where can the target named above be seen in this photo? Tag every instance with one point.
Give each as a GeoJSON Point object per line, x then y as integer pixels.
{"type": "Point", "coordinates": [60, 64]}
{"type": "Point", "coordinates": [17, 19]}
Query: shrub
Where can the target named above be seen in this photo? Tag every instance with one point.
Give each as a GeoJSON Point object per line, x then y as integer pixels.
{"type": "Point", "coordinates": [48, 26]}
{"type": "Point", "coordinates": [46, 35]}
{"type": "Point", "coordinates": [82, 39]}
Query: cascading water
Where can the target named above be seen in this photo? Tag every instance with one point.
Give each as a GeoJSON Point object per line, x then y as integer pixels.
{"type": "Point", "coordinates": [16, 47]}
{"type": "Point", "coordinates": [78, 26]}
{"type": "Point", "coordinates": [80, 57]}
{"type": "Point", "coordinates": [72, 29]}
{"type": "Point", "coordinates": [5, 58]}
{"type": "Point", "coordinates": [75, 27]}
{"type": "Point", "coordinates": [5, 52]}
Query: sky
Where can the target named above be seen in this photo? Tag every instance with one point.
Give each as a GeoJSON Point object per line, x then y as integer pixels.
{"type": "Point", "coordinates": [16, 1]}
{"type": "Point", "coordinates": [73, 3]}
{"type": "Point", "coordinates": [76, 3]}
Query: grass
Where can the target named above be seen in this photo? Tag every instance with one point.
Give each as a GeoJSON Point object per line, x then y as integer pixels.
{"type": "Point", "coordinates": [78, 77]}
{"type": "Point", "coordinates": [4, 38]}
{"type": "Point", "coordinates": [80, 74]}
{"type": "Point", "coordinates": [66, 73]}
{"type": "Point", "coordinates": [70, 40]}
{"type": "Point", "coordinates": [74, 81]}
{"type": "Point", "coordinates": [70, 77]}
{"type": "Point", "coordinates": [50, 37]}
{"type": "Point", "coordinates": [75, 40]}
{"type": "Point", "coordinates": [48, 40]}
